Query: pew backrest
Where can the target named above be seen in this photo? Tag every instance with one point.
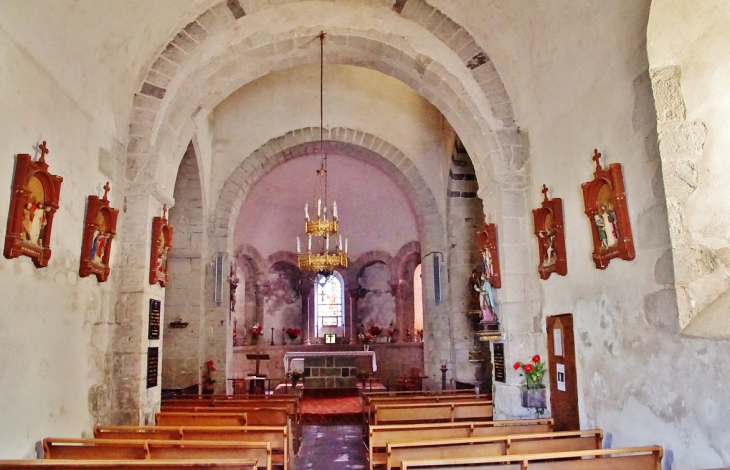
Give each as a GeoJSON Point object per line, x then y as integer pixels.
{"type": "Point", "coordinates": [493, 446]}
{"type": "Point", "coordinates": [141, 433]}
{"type": "Point", "coordinates": [204, 464]}
{"type": "Point", "coordinates": [635, 458]}
{"type": "Point", "coordinates": [433, 412]}
{"type": "Point", "coordinates": [200, 419]}
{"type": "Point", "coordinates": [94, 449]}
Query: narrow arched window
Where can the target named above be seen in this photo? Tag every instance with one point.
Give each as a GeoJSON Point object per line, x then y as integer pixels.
{"type": "Point", "coordinates": [329, 311]}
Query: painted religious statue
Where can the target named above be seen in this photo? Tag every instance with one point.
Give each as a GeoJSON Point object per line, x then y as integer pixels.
{"type": "Point", "coordinates": [483, 281]}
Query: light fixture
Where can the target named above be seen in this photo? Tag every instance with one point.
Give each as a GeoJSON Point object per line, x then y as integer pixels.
{"type": "Point", "coordinates": [320, 230]}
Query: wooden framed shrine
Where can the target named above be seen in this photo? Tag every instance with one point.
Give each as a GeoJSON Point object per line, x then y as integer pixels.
{"type": "Point", "coordinates": [99, 231]}
{"type": "Point", "coordinates": [549, 230]}
{"type": "Point", "coordinates": [33, 203]}
{"type": "Point", "coordinates": [605, 206]}
{"type": "Point", "coordinates": [160, 250]}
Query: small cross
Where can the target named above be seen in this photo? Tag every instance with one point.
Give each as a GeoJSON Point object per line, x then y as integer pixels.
{"type": "Point", "coordinates": [597, 158]}
{"type": "Point", "coordinates": [107, 188]}
{"type": "Point", "coordinates": [164, 211]}
{"type": "Point", "coordinates": [544, 192]}
{"type": "Point", "coordinates": [44, 152]}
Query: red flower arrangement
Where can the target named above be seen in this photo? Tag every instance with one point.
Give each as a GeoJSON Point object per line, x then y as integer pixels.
{"type": "Point", "coordinates": [293, 333]}
{"type": "Point", "coordinates": [375, 330]}
{"type": "Point", "coordinates": [257, 329]}
{"type": "Point", "coordinates": [534, 372]}
{"type": "Point", "coordinates": [210, 368]}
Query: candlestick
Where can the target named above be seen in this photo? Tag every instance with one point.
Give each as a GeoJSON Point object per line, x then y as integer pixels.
{"type": "Point", "coordinates": [299, 247]}
{"type": "Point", "coordinates": [306, 211]}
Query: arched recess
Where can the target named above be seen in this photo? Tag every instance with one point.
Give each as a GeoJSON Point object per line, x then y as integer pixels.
{"type": "Point", "coordinates": [183, 295]}
{"type": "Point", "coordinates": [406, 261]}
{"type": "Point", "coordinates": [210, 72]}
{"type": "Point", "coordinates": [282, 298]}
{"type": "Point", "coordinates": [303, 142]}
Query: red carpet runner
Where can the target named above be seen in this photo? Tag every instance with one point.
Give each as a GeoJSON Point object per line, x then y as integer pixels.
{"type": "Point", "coordinates": [332, 410]}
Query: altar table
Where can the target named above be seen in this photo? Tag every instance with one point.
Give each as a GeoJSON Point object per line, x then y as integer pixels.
{"type": "Point", "coordinates": [304, 354]}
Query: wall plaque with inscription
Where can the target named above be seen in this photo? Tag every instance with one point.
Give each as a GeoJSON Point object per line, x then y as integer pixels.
{"type": "Point", "coordinates": [499, 370]}
{"type": "Point", "coordinates": [154, 329]}
{"type": "Point", "coordinates": [153, 359]}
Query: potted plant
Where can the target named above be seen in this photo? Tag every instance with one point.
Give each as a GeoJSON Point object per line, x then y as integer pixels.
{"type": "Point", "coordinates": [533, 390]}
{"type": "Point", "coordinates": [256, 330]}
{"type": "Point", "coordinates": [208, 382]}
{"type": "Point", "coordinates": [293, 333]}
{"type": "Point", "coordinates": [391, 332]}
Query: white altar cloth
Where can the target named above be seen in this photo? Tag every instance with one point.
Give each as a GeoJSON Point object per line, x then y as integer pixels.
{"type": "Point", "coordinates": [290, 355]}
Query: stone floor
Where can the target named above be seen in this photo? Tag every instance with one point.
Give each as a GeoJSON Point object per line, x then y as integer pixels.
{"type": "Point", "coordinates": [333, 447]}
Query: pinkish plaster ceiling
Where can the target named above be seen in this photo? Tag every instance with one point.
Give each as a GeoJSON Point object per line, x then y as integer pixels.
{"type": "Point", "coordinates": [374, 212]}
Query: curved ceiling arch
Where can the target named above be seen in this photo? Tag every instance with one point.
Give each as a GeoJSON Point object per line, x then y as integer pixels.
{"type": "Point", "coordinates": [302, 142]}
{"type": "Point", "coordinates": [228, 59]}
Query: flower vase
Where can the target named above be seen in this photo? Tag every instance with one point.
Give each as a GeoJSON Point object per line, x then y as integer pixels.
{"type": "Point", "coordinates": [366, 347]}
{"type": "Point", "coordinates": [534, 397]}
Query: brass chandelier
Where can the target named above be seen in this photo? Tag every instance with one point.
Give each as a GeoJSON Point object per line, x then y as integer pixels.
{"type": "Point", "coordinates": [321, 229]}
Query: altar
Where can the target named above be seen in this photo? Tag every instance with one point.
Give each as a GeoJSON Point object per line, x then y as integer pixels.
{"type": "Point", "coordinates": [305, 354]}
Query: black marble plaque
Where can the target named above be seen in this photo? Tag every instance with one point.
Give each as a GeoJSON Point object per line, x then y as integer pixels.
{"type": "Point", "coordinates": [153, 359]}
{"type": "Point", "coordinates": [154, 329]}
{"type": "Point", "coordinates": [499, 370]}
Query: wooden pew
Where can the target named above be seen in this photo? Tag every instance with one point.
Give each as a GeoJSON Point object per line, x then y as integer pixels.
{"type": "Point", "coordinates": [632, 458]}
{"type": "Point", "coordinates": [379, 436]}
{"type": "Point", "coordinates": [493, 446]}
{"type": "Point", "coordinates": [277, 436]}
{"type": "Point", "coordinates": [236, 464]}
{"type": "Point", "coordinates": [292, 404]}
{"type": "Point", "coordinates": [100, 449]}
{"type": "Point", "coordinates": [370, 403]}
{"type": "Point", "coordinates": [433, 412]}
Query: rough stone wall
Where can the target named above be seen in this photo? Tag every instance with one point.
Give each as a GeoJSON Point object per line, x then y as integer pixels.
{"type": "Point", "coordinates": [464, 212]}
{"type": "Point", "coordinates": [181, 365]}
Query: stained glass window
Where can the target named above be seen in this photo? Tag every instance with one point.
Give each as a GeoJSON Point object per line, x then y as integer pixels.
{"type": "Point", "coordinates": [329, 300]}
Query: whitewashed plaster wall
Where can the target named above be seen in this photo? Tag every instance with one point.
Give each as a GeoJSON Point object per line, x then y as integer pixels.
{"type": "Point", "coordinates": [354, 98]}
{"type": "Point", "coordinates": [588, 87]}
{"type": "Point", "coordinates": [54, 326]}
{"type": "Point", "coordinates": [693, 106]}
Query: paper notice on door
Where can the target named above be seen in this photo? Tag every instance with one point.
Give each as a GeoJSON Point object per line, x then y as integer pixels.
{"type": "Point", "coordinates": [558, 341]}
{"type": "Point", "coordinates": [560, 379]}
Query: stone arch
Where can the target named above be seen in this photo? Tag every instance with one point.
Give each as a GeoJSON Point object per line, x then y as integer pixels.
{"type": "Point", "coordinates": [162, 115]}
{"type": "Point", "coordinates": [306, 142]}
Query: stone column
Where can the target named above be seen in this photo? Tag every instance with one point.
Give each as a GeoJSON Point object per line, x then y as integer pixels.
{"type": "Point", "coordinates": [132, 403]}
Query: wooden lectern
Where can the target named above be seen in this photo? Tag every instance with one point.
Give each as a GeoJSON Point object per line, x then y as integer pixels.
{"type": "Point", "coordinates": [257, 384]}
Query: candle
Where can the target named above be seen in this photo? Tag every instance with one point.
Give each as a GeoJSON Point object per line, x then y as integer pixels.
{"type": "Point", "coordinates": [319, 208]}
{"type": "Point", "coordinates": [339, 247]}
{"type": "Point", "coordinates": [334, 209]}
{"type": "Point", "coordinates": [306, 211]}
{"type": "Point", "coordinates": [310, 243]}
{"type": "Point", "coordinates": [299, 247]}
{"type": "Point", "coordinates": [327, 243]}
{"type": "Point", "coordinates": [345, 245]}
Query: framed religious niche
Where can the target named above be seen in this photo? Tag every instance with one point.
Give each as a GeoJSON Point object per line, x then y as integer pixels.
{"type": "Point", "coordinates": [99, 230]}
{"type": "Point", "coordinates": [160, 251]}
{"type": "Point", "coordinates": [484, 279]}
{"type": "Point", "coordinates": [33, 203]}
{"type": "Point", "coordinates": [605, 205]}
{"type": "Point", "coordinates": [548, 222]}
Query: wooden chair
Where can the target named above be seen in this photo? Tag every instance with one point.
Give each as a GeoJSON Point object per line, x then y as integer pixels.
{"type": "Point", "coordinates": [633, 458]}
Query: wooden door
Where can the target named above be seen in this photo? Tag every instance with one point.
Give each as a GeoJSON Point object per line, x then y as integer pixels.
{"type": "Point", "coordinates": [563, 378]}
